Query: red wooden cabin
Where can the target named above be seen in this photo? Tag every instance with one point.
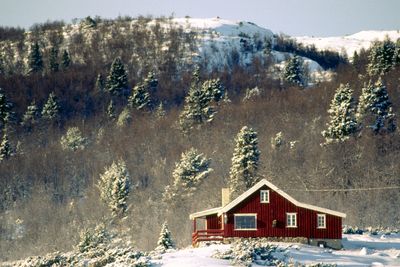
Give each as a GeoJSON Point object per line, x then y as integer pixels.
{"type": "Point", "coordinates": [266, 211]}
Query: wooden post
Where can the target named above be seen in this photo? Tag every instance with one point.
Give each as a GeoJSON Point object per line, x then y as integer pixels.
{"type": "Point", "coordinates": [194, 225]}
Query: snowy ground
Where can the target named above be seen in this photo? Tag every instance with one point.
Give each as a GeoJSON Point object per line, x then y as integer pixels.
{"type": "Point", "coordinates": [349, 43]}
{"type": "Point", "coordinates": [359, 250]}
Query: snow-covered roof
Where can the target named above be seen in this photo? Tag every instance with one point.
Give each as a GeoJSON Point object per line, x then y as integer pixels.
{"type": "Point", "coordinates": [204, 213]}
{"type": "Point", "coordinates": [221, 210]}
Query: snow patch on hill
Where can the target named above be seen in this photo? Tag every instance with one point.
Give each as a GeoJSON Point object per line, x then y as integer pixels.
{"type": "Point", "coordinates": [350, 43]}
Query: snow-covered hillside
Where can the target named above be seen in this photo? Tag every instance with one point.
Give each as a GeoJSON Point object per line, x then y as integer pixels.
{"type": "Point", "coordinates": [349, 43]}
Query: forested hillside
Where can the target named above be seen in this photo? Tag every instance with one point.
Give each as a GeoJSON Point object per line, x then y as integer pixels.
{"type": "Point", "coordinates": [126, 121]}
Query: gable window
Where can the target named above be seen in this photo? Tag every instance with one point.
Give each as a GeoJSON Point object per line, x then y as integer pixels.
{"type": "Point", "coordinates": [245, 221]}
{"type": "Point", "coordinates": [321, 221]}
{"type": "Point", "coordinates": [291, 219]}
{"type": "Point", "coordinates": [264, 196]}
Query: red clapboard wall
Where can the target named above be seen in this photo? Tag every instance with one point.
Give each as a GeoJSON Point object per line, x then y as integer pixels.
{"type": "Point", "coordinates": [276, 209]}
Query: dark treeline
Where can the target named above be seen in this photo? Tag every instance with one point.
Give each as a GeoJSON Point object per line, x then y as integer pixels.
{"type": "Point", "coordinates": [48, 194]}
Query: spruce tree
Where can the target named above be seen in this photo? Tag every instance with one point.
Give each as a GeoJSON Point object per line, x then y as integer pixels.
{"type": "Point", "coordinates": [245, 161]}
{"type": "Point", "coordinates": [65, 60]}
{"type": "Point", "coordinates": [73, 140]}
{"type": "Point", "coordinates": [342, 113]}
{"type": "Point", "coordinates": [31, 116]}
{"type": "Point", "coordinates": [151, 82]}
{"type": "Point", "coordinates": [160, 110]}
{"type": "Point", "coordinates": [213, 90]}
{"type": "Point", "coordinates": [189, 173]}
{"type": "Point", "coordinates": [35, 61]}
{"type": "Point", "coordinates": [117, 80]}
{"type": "Point", "coordinates": [5, 109]}
{"type": "Point", "coordinates": [165, 240]}
{"type": "Point", "coordinates": [293, 71]}
{"type": "Point", "coordinates": [381, 57]}
{"type": "Point", "coordinates": [53, 61]}
{"type": "Point", "coordinates": [51, 109]}
{"type": "Point", "coordinates": [5, 148]}
{"type": "Point", "coordinates": [114, 186]}
{"type": "Point", "coordinates": [375, 108]}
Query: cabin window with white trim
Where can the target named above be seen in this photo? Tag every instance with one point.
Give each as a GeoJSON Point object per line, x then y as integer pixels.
{"type": "Point", "coordinates": [264, 196]}
{"type": "Point", "coordinates": [291, 219]}
{"type": "Point", "coordinates": [245, 221]}
{"type": "Point", "coordinates": [321, 221]}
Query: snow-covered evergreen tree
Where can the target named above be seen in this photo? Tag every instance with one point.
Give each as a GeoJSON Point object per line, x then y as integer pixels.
{"type": "Point", "coordinates": [165, 240]}
{"type": "Point", "coordinates": [35, 61]}
{"type": "Point", "coordinates": [245, 161]}
{"type": "Point", "coordinates": [342, 113]}
{"type": "Point", "coordinates": [381, 57]}
{"type": "Point", "coordinates": [5, 148]}
{"type": "Point", "coordinates": [140, 98]}
{"type": "Point", "coordinates": [111, 110]}
{"type": "Point", "coordinates": [65, 60]}
{"type": "Point", "coordinates": [213, 90]}
{"type": "Point", "coordinates": [5, 109]}
{"type": "Point", "coordinates": [277, 141]}
{"type": "Point", "coordinates": [198, 107]}
{"type": "Point", "coordinates": [124, 118]}
{"type": "Point", "coordinates": [73, 140]}
{"type": "Point", "coordinates": [53, 60]}
{"type": "Point", "coordinates": [151, 82]}
{"type": "Point", "coordinates": [117, 79]}
{"type": "Point", "coordinates": [293, 71]}
{"type": "Point", "coordinates": [375, 108]}
{"type": "Point", "coordinates": [51, 109]}
{"type": "Point", "coordinates": [160, 110]}
{"type": "Point", "coordinates": [114, 186]}
{"type": "Point", "coordinates": [31, 116]}
{"type": "Point", "coordinates": [188, 174]}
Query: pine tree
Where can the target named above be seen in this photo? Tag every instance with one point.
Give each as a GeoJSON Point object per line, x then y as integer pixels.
{"type": "Point", "coordinates": [5, 109]}
{"type": "Point", "coordinates": [114, 186]}
{"type": "Point", "coordinates": [293, 71]}
{"type": "Point", "coordinates": [31, 116]}
{"type": "Point", "coordinates": [160, 110]}
{"type": "Point", "coordinates": [5, 148]}
{"type": "Point", "coordinates": [53, 61]}
{"type": "Point", "coordinates": [117, 80]}
{"type": "Point", "coordinates": [35, 61]}
{"type": "Point", "coordinates": [188, 174]}
{"type": "Point", "coordinates": [65, 60]}
{"type": "Point", "coordinates": [343, 123]}
{"type": "Point", "coordinates": [165, 240]}
{"type": "Point", "coordinates": [381, 57]}
{"type": "Point", "coordinates": [51, 109]}
{"type": "Point", "coordinates": [375, 108]}
{"type": "Point", "coordinates": [245, 161]}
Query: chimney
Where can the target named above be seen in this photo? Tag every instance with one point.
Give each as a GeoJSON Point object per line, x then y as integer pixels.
{"type": "Point", "coordinates": [225, 196]}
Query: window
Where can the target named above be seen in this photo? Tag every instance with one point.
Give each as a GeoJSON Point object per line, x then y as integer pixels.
{"type": "Point", "coordinates": [264, 196]}
{"type": "Point", "coordinates": [291, 219]}
{"type": "Point", "coordinates": [321, 221]}
{"type": "Point", "coordinates": [245, 221]}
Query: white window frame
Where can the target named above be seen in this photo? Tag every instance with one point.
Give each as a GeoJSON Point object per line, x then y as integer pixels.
{"type": "Point", "coordinates": [324, 220]}
{"type": "Point", "coordinates": [243, 215]}
{"type": "Point", "coordinates": [263, 192]}
{"type": "Point", "coordinates": [291, 225]}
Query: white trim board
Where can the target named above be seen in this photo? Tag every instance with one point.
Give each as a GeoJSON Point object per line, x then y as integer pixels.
{"type": "Point", "coordinates": [204, 213]}
{"type": "Point", "coordinates": [263, 182]}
